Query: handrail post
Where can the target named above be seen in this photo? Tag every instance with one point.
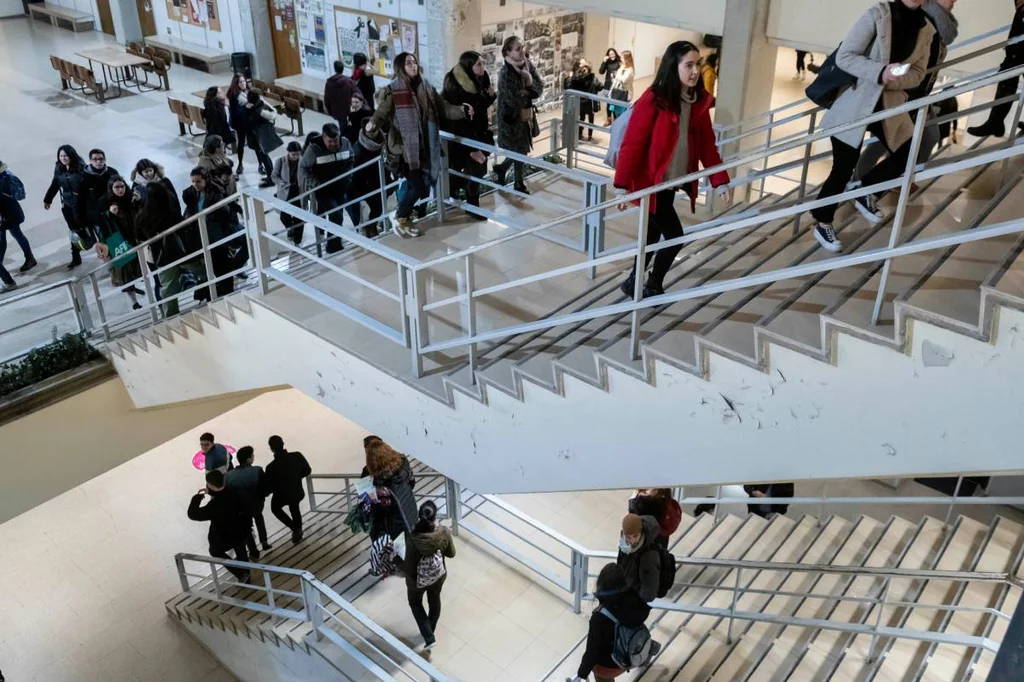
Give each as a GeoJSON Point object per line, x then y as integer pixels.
{"type": "Point", "coordinates": [403, 303]}
{"type": "Point", "coordinates": [441, 188]}
{"type": "Point", "coordinates": [318, 233]}
{"type": "Point", "coordinates": [258, 230]}
{"type": "Point", "coordinates": [1013, 133]}
{"type": "Point", "coordinates": [348, 494]}
{"type": "Point", "coordinates": [311, 494]}
{"type": "Point", "coordinates": [470, 323]}
{"type": "Point", "coordinates": [311, 603]}
{"type": "Point", "coordinates": [802, 190]}
{"type": "Point", "coordinates": [570, 116]}
{"type": "Point", "coordinates": [593, 223]}
{"type": "Point", "coordinates": [81, 304]}
{"type": "Point", "coordinates": [553, 141]}
{"type": "Point", "coordinates": [179, 562]}
{"type": "Point", "coordinates": [577, 580]}
{"type": "Point", "coordinates": [76, 307]}
{"type": "Point", "coordinates": [453, 500]}
{"type": "Point", "coordinates": [268, 585]}
{"type": "Point", "coordinates": [99, 306]}
{"type": "Point", "coordinates": [878, 619]}
{"type": "Point", "coordinates": [419, 327]}
{"type": "Point", "coordinates": [901, 208]}
{"type": "Point", "coordinates": [382, 178]}
{"type": "Point", "coordinates": [952, 501]}
{"type": "Point", "coordinates": [147, 285]}
{"type": "Point", "coordinates": [718, 504]}
{"type": "Point", "coordinates": [732, 608]}
{"type": "Point", "coordinates": [204, 239]}
{"type": "Point", "coordinates": [767, 146]}
{"type": "Point", "coordinates": [216, 580]}
{"type": "Point", "coordinates": [639, 269]}
{"type": "Point", "coordinates": [821, 508]}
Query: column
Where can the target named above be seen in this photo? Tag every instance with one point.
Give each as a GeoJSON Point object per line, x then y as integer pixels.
{"type": "Point", "coordinates": [747, 73]}
{"type": "Point", "coordinates": [453, 27]}
{"type": "Point", "coordinates": [125, 16]}
{"type": "Point", "coordinates": [256, 38]}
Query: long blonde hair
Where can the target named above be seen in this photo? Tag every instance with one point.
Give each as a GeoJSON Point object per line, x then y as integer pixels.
{"type": "Point", "coordinates": [381, 458]}
{"type": "Point", "coordinates": [627, 57]}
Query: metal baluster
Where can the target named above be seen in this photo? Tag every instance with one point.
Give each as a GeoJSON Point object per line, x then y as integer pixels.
{"type": "Point", "coordinates": [718, 504]}
{"type": "Point", "coordinates": [575, 582]}
{"type": "Point", "coordinates": [147, 285]}
{"type": "Point", "coordinates": [382, 178]}
{"type": "Point", "coordinates": [419, 328]}
{"type": "Point", "coordinates": [179, 561]}
{"type": "Point", "coordinates": [82, 305]}
{"type": "Point", "coordinates": [639, 268]}
{"type": "Point", "coordinates": [75, 307]}
{"type": "Point", "coordinates": [471, 317]}
{"type": "Point", "coordinates": [570, 125]}
{"type": "Point", "coordinates": [311, 603]}
{"type": "Point", "coordinates": [348, 494]}
{"type": "Point", "coordinates": [262, 259]}
{"type": "Point", "coordinates": [99, 306]}
{"type": "Point", "coordinates": [878, 619]}
{"type": "Point", "coordinates": [204, 239]}
{"type": "Point", "coordinates": [952, 501]}
{"type": "Point", "coordinates": [732, 608]}
{"type": "Point", "coordinates": [216, 580]}
{"type": "Point", "coordinates": [555, 143]}
{"type": "Point", "coordinates": [767, 146]}
{"type": "Point", "coordinates": [802, 191]}
{"type": "Point", "coordinates": [403, 303]}
{"type": "Point", "coordinates": [453, 498]}
{"type": "Point", "coordinates": [901, 208]}
{"type": "Point", "coordinates": [821, 509]}
{"type": "Point", "coordinates": [270, 589]}
{"type": "Point", "coordinates": [311, 494]}
{"type": "Point", "coordinates": [441, 200]}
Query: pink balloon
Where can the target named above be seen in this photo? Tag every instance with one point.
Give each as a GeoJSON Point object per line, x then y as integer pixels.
{"type": "Point", "coordinates": [199, 459]}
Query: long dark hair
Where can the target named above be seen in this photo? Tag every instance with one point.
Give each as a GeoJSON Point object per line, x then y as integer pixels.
{"type": "Point", "coordinates": [159, 210]}
{"type": "Point", "coordinates": [467, 60]}
{"type": "Point", "coordinates": [399, 65]}
{"type": "Point", "coordinates": [234, 90]}
{"type": "Point", "coordinates": [428, 518]}
{"type": "Point", "coordinates": [617, 57]}
{"type": "Point", "coordinates": [76, 161]}
{"type": "Point", "coordinates": [666, 86]}
{"type": "Point", "coordinates": [211, 97]}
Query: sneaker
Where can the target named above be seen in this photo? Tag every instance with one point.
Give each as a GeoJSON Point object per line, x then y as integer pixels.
{"type": "Point", "coordinates": [136, 306]}
{"type": "Point", "coordinates": [30, 263]}
{"type": "Point", "coordinates": [429, 645]}
{"type": "Point", "coordinates": [296, 537]}
{"type": "Point", "coordinates": [522, 189]}
{"type": "Point", "coordinates": [266, 182]}
{"type": "Point", "coordinates": [403, 227]}
{"type": "Point", "coordinates": [628, 286]}
{"type": "Point", "coordinates": [8, 287]}
{"type": "Point", "coordinates": [988, 129]}
{"type": "Point", "coordinates": [868, 207]}
{"type": "Point", "coordinates": [826, 236]}
{"type": "Point", "coordinates": [415, 231]}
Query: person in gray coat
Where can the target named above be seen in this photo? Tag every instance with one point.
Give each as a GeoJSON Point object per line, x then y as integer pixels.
{"type": "Point", "coordinates": [639, 557]}
{"type": "Point", "coordinates": [519, 85]}
{"type": "Point", "coordinates": [886, 39]}
{"type": "Point", "coordinates": [286, 180]}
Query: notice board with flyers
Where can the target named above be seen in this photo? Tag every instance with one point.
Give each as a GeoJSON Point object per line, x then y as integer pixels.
{"type": "Point", "coordinates": [380, 37]}
{"type": "Point", "coordinates": [195, 12]}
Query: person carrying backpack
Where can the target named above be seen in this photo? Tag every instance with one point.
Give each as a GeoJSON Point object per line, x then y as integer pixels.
{"type": "Point", "coordinates": [425, 570]}
{"type": "Point", "coordinates": [617, 639]}
{"type": "Point", "coordinates": [648, 567]}
{"type": "Point", "coordinates": [11, 217]}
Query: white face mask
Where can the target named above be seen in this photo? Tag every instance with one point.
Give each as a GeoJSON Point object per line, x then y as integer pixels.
{"type": "Point", "coordinates": [624, 546]}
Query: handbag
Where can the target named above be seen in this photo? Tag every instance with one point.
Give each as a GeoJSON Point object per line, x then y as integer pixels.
{"type": "Point", "coordinates": [830, 83]}
{"type": "Point", "coordinates": [119, 249]}
{"type": "Point", "coordinates": [382, 556]}
{"type": "Point", "coordinates": [534, 127]}
{"type": "Point", "coordinates": [526, 114]}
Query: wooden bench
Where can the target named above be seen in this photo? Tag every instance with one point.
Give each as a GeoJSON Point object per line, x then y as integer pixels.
{"type": "Point", "coordinates": [77, 77]}
{"type": "Point", "coordinates": [196, 56]}
{"type": "Point", "coordinates": [189, 115]}
{"type": "Point", "coordinates": [160, 61]}
{"type": "Point", "coordinates": [56, 15]}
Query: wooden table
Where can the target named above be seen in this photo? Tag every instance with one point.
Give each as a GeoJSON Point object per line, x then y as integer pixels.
{"type": "Point", "coordinates": [118, 67]}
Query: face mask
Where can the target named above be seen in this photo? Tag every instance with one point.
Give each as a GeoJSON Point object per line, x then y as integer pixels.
{"type": "Point", "coordinates": [624, 546]}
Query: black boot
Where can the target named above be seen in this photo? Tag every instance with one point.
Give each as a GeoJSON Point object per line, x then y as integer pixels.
{"type": "Point", "coordinates": [30, 262]}
{"type": "Point", "coordinates": [628, 286]}
{"type": "Point", "coordinates": [76, 259]}
{"type": "Point", "coordinates": [988, 129]}
{"type": "Point", "coordinates": [501, 172]}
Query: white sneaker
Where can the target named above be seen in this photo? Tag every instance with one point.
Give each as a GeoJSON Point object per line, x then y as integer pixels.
{"type": "Point", "coordinates": [868, 207]}
{"type": "Point", "coordinates": [826, 236]}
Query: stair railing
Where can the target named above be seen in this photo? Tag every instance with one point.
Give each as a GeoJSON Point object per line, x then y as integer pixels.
{"type": "Point", "coordinates": [80, 322]}
{"type": "Point", "coordinates": [331, 617]}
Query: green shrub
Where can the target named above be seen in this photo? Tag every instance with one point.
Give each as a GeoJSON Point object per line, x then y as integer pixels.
{"type": "Point", "coordinates": [67, 352]}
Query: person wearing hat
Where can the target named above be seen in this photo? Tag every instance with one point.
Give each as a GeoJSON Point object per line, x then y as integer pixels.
{"type": "Point", "coordinates": [638, 557]}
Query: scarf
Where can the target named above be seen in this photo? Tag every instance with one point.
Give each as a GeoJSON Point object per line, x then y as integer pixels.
{"type": "Point", "coordinates": [416, 121]}
{"type": "Point", "coordinates": [523, 69]}
{"type": "Point", "coordinates": [357, 73]}
{"type": "Point", "coordinates": [466, 81]}
{"type": "Point", "coordinates": [945, 23]}
{"type": "Point", "coordinates": [906, 24]}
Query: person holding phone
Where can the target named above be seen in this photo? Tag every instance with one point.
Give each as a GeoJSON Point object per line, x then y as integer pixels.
{"type": "Point", "coordinates": [888, 51]}
{"type": "Point", "coordinates": [468, 83]}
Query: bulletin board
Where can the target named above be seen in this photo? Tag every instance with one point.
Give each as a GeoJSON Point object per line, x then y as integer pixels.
{"type": "Point", "coordinates": [311, 23]}
{"type": "Point", "coordinates": [195, 12]}
{"type": "Point", "coordinates": [380, 37]}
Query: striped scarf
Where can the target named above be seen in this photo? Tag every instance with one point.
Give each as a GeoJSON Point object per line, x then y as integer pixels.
{"type": "Point", "coordinates": [416, 120]}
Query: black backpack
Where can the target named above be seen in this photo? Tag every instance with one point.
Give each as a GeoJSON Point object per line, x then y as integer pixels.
{"type": "Point", "coordinates": [666, 569]}
{"type": "Point", "coordinates": [830, 82]}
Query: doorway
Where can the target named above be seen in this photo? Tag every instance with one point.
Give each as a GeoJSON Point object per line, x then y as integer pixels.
{"type": "Point", "coordinates": [146, 19]}
{"type": "Point", "coordinates": [106, 18]}
{"type": "Point", "coordinates": [283, 34]}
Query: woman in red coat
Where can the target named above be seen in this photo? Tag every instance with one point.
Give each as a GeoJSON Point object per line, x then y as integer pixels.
{"type": "Point", "coordinates": [653, 151]}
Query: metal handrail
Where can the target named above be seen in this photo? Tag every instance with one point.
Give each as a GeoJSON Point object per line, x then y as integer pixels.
{"type": "Point", "coordinates": [35, 291]}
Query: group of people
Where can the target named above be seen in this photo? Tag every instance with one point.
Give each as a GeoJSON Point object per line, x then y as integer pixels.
{"type": "Point", "coordinates": [236, 495]}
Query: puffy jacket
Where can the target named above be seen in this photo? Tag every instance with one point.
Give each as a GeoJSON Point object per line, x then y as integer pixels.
{"type": "Point", "coordinates": [67, 181]}
{"type": "Point", "coordinates": [642, 565]}
{"type": "Point", "coordinates": [631, 611]}
{"type": "Point", "coordinates": [284, 476]}
{"type": "Point", "coordinates": [459, 89]}
{"type": "Point", "coordinates": [584, 82]}
{"type": "Point", "coordinates": [420, 545]}
{"type": "Point", "coordinates": [650, 142]}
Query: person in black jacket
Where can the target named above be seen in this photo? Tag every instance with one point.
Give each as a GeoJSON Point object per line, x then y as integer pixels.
{"type": "Point", "coordinates": [95, 182]}
{"type": "Point", "coordinates": [238, 119]}
{"type": "Point", "coordinates": [365, 182]}
{"type": "Point", "coordinates": [116, 236]}
{"type": "Point", "coordinates": [583, 79]}
{"type": "Point", "coordinates": [215, 116]}
{"type": "Point", "coordinates": [995, 126]}
{"type": "Point", "coordinates": [362, 74]}
{"type": "Point", "coordinates": [395, 510]}
{"type": "Point", "coordinates": [67, 178]}
{"type": "Point", "coordinates": [327, 156]}
{"type": "Point", "coordinates": [768, 490]}
{"type": "Point", "coordinates": [627, 607]}
{"type": "Point", "coordinates": [160, 212]}
{"type": "Point", "coordinates": [468, 83]}
{"type": "Point", "coordinates": [284, 481]}
{"type": "Point", "coordinates": [11, 218]}
{"type": "Point", "coordinates": [198, 196]}
{"type": "Point", "coordinates": [610, 65]}
{"type": "Point", "coordinates": [248, 483]}
{"type": "Point", "coordinates": [262, 138]}
{"type": "Point", "coordinates": [227, 519]}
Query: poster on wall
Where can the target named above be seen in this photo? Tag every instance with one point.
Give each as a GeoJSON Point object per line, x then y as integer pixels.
{"type": "Point", "coordinates": [314, 57]}
{"type": "Point", "coordinates": [312, 33]}
{"type": "Point", "coordinates": [377, 36]}
{"type": "Point", "coordinates": [352, 35]}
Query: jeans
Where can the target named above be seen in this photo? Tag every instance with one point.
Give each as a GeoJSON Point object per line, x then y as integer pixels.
{"type": "Point", "coordinates": [170, 283]}
{"type": "Point", "coordinates": [327, 201]}
{"type": "Point", "coordinates": [873, 153]}
{"type": "Point", "coordinates": [427, 623]}
{"type": "Point", "coordinates": [415, 187]}
{"type": "Point", "coordinates": [71, 218]}
{"type": "Point", "coordinates": [19, 237]}
{"type": "Point", "coordinates": [664, 222]}
{"type": "Point", "coordinates": [292, 522]}
{"type": "Point", "coordinates": [261, 531]}
{"type": "Point", "coordinates": [844, 162]}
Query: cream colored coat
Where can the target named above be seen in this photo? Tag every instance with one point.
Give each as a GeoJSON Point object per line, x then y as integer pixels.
{"type": "Point", "coordinates": [864, 53]}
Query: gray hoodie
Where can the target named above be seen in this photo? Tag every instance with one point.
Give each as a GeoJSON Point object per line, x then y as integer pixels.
{"type": "Point", "coordinates": [642, 566]}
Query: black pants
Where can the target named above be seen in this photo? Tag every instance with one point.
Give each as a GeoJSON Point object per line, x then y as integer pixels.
{"type": "Point", "coordinates": [325, 202]}
{"type": "Point", "coordinates": [518, 167]}
{"type": "Point", "coordinates": [801, 56]}
{"type": "Point", "coordinates": [261, 532]}
{"type": "Point", "coordinates": [665, 223]}
{"type": "Point", "coordinates": [71, 218]}
{"type": "Point", "coordinates": [355, 211]}
{"type": "Point", "coordinates": [587, 116]}
{"type": "Point", "coordinates": [844, 162]}
{"type": "Point", "coordinates": [266, 165]}
{"type": "Point", "coordinates": [427, 622]}
{"type": "Point", "coordinates": [293, 522]}
{"type": "Point", "coordinates": [241, 554]}
{"type": "Point", "coordinates": [464, 163]}
{"type": "Point", "coordinates": [1005, 88]}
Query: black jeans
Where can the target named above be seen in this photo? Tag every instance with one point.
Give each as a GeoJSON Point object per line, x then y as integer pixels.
{"type": "Point", "coordinates": [71, 218]}
{"type": "Point", "coordinates": [261, 531]}
{"type": "Point", "coordinates": [427, 623]}
{"type": "Point", "coordinates": [327, 201]}
{"type": "Point", "coordinates": [665, 223]}
{"type": "Point", "coordinates": [241, 554]}
{"type": "Point", "coordinates": [589, 118]}
{"type": "Point", "coordinates": [293, 522]}
{"type": "Point", "coordinates": [464, 163]}
{"type": "Point", "coordinates": [1005, 88]}
{"type": "Point", "coordinates": [801, 56]}
{"type": "Point", "coordinates": [844, 162]}
{"type": "Point", "coordinates": [518, 168]}
{"type": "Point", "coordinates": [355, 212]}
{"type": "Point", "coordinates": [266, 165]}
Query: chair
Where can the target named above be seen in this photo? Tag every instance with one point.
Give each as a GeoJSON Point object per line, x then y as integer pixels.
{"type": "Point", "coordinates": [298, 97]}
{"type": "Point", "coordinates": [87, 79]}
{"type": "Point", "coordinates": [132, 47]}
{"type": "Point", "coordinates": [179, 110]}
{"type": "Point", "coordinates": [58, 67]}
{"type": "Point", "coordinates": [259, 85]}
{"type": "Point", "coordinates": [195, 114]}
{"type": "Point", "coordinates": [293, 110]}
{"type": "Point", "coordinates": [158, 67]}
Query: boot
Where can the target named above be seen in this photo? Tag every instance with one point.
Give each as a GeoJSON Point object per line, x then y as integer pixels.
{"type": "Point", "coordinates": [989, 128]}
{"type": "Point", "coordinates": [30, 262]}
{"type": "Point", "coordinates": [76, 259]}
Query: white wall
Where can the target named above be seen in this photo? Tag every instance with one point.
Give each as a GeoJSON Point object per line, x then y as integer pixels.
{"type": "Point", "coordinates": [706, 16]}
{"type": "Point", "coordinates": [88, 6]}
{"type": "Point", "coordinates": [647, 42]}
{"type": "Point", "coordinates": [11, 8]}
{"type": "Point", "coordinates": [228, 39]}
{"type": "Point", "coordinates": [877, 413]}
{"type": "Point", "coordinates": [820, 26]}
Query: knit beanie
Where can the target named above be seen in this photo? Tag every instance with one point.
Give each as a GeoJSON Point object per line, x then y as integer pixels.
{"type": "Point", "coordinates": [632, 525]}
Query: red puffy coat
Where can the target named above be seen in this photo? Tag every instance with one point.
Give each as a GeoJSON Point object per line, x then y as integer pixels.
{"type": "Point", "coordinates": [651, 139]}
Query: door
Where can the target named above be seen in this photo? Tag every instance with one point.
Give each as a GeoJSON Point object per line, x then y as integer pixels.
{"type": "Point", "coordinates": [283, 34]}
{"type": "Point", "coordinates": [106, 18]}
{"type": "Point", "coordinates": [146, 19]}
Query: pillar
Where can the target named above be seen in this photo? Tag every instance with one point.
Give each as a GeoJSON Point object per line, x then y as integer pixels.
{"type": "Point", "coordinates": [125, 16]}
{"type": "Point", "coordinates": [453, 27]}
{"type": "Point", "coordinates": [256, 39]}
{"type": "Point", "coordinates": [747, 72]}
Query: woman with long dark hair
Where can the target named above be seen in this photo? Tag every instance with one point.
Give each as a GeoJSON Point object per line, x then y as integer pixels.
{"type": "Point", "coordinates": [117, 236]}
{"type": "Point", "coordinates": [216, 117]}
{"type": "Point", "coordinates": [262, 138]}
{"type": "Point", "coordinates": [655, 149]}
{"type": "Point", "coordinates": [609, 67]}
{"type": "Point", "coordinates": [468, 83]}
{"type": "Point", "coordinates": [159, 212]}
{"type": "Point", "coordinates": [67, 178]}
{"type": "Point", "coordinates": [519, 85]}
{"type": "Point", "coordinates": [238, 117]}
{"type": "Point", "coordinates": [425, 570]}
{"type": "Point", "coordinates": [583, 79]}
